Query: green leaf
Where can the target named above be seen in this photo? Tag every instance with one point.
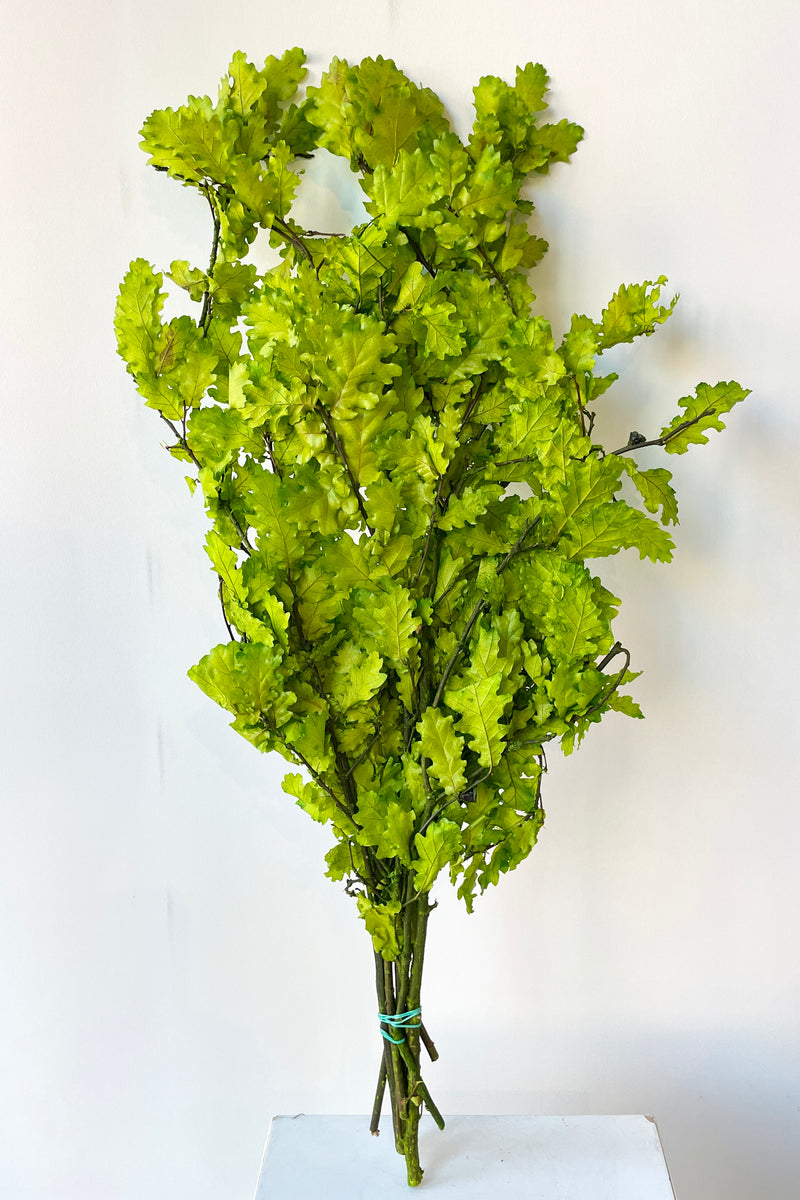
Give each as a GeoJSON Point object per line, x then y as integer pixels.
{"type": "Point", "coordinates": [189, 142]}
{"type": "Point", "coordinates": [614, 527]}
{"type": "Point", "coordinates": [391, 621]}
{"type": "Point", "coordinates": [314, 800]}
{"type": "Point", "coordinates": [551, 144]}
{"type": "Point", "coordinates": [579, 347]}
{"type": "Point", "coordinates": [181, 371]}
{"type": "Point", "coordinates": [243, 85]}
{"type": "Point", "coordinates": [232, 283]}
{"type": "Point", "coordinates": [191, 279]}
{"type": "Point", "coordinates": [344, 859]}
{"type": "Point", "coordinates": [702, 412]}
{"type": "Point", "coordinates": [470, 505]}
{"type": "Point", "coordinates": [137, 319]}
{"type": "Point", "coordinates": [586, 486]}
{"type": "Point", "coordinates": [356, 372]}
{"type": "Point", "coordinates": [381, 922]}
{"type": "Point", "coordinates": [217, 435]}
{"type": "Point", "coordinates": [443, 329]}
{"type": "Point", "coordinates": [223, 560]}
{"type": "Point", "coordinates": [440, 743]}
{"type": "Point", "coordinates": [450, 162]}
{"type": "Point", "coordinates": [400, 194]}
{"type": "Point", "coordinates": [654, 488]}
{"type": "Point", "coordinates": [490, 191]}
{"type": "Point", "coordinates": [435, 848]}
{"type": "Point", "coordinates": [480, 709]}
{"type": "Point", "coordinates": [268, 514]}
{"type": "Point", "coordinates": [355, 676]}
{"type": "Point", "coordinates": [632, 311]}
{"type": "Point", "coordinates": [385, 824]}
{"type": "Point", "coordinates": [580, 627]}
{"type": "Point", "coordinates": [531, 86]}
{"type": "Point", "coordinates": [245, 678]}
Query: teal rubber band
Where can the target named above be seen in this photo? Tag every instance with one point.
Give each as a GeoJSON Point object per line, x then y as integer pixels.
{"type": "Point", "coordinates": [389, 1038]}
{"type": "Point", "coordinates": [406, 1020]}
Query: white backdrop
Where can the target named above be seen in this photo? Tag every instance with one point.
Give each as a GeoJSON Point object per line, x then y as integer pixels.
{"type": "Point", "coordinates": [174, 967]}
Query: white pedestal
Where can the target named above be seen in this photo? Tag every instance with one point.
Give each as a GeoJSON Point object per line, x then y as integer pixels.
{"type": "Point", "coordinates": [475, 1158]}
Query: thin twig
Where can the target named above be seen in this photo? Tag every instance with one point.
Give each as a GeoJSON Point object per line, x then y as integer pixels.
{"type": "Point", "coordinates": [205, 314]}
{"type": "Point", "coordinates": [222, 605]}
{"type": "Point", "coordinates": [476, 612]}
{"type": "Point", "coordinates": [498, 277]}
{"type": "Point", "coordinates": [427, 1042]}
{"type": "Point", "coordinates": [378, 1102]}
{"type": "Point", "coordinates": [637, 442]}
{"type": "Point", "coordinates": [328, 422]}
{"type": "Point", "coordinates": [420, 257]}
{"type": "Point", "coordinates": [431, 526]}
{"type": "Point", "coordinates": [283, 230]}
{"type": "Point", "coordinates": [315, 775]}
{"type": "Point", "coordinates": [473, 401]}
{"type": "Point", "coordinates": [580, 404]}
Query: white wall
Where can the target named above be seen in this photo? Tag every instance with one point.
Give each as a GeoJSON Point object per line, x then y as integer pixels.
{"type": "Point", "coordinates": [175, 968]}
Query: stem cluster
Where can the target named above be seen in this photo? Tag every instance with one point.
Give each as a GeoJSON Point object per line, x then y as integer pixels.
{"type": "Point", "coordinates": [398, 985]}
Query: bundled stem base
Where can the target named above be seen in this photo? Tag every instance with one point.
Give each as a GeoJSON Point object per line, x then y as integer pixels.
{"type": "Point", "coordinates": [398, 987]}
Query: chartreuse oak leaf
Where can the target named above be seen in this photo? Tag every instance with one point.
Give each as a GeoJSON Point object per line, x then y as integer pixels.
{"type": "Point", "coordinates": [435, 848]}
{"type": "Point", "coordinates": [531, 86]}
{"type": "Point", "coordinates": [702, 412]}
{"type": "Point", "coordinates": [490, 190]}
{"type": "Point", "coordinates": [586, 486]}
{"type": "Point", "coordinates": [398, 111]}
{"type": "Point", "coordinates": [268, 514]}
{"type": "Point", "coordinates": [443, 747]}
{"type": "Point", "coordinates": [443, 329]}
{"type": "Point", "coordinates": [243, 85]}
{"type": "Point", "coordinates": [406, 192]}
{"type": "Point", "coordinates": [191, 279]}
{"type": "Point", "coordinates": [634, 310]}
{"type": "Point", "coordinates": [355, 676]}
{"type": "Point", "coordinates": [283, 75]}
{"type": "Point", "coordinates": [469, 506]}
{"type": "Point", "coordinates": [319, 804]}
{"type": "Point", "coordinates": [612, 527]}
{"type": "Point", "coordinates": [189, 143]}
{"type": "Point", "coordinates": [480, 708]}
{"type": "Point", "coordinates": [385, 824]}
{"type": "Point", "coordinates": [390, 619]}
{"type": "Point", "coordinates": [450, 162]}
{"type": "Point", "coordinates": [579, 628]}
{"type": "Point", "coordinates": [381, 922]}
{"type": "Point", "coordinates": [223, 560]}
{"type": "Point", "coordinates": [181, 371]}
{"type": "Point", "coordinates": [245, 678]}
{"type": "Point", "coordinates": [371, 113]}
{"type": "Point", "coordinates": [656, 491]}
{"type": "Point", "coordinates": [137, 319]}
{"type": "Point", "coordinates": [318, 603]}
{"type": "Point", "coordinates": [344, 859]}
{"type": "Point", "coordinates": [218, 435]}
{"type": "Point", "coordinates": [232, 283]}
{"type": "Point", "coordinates": [355, 373]}
{"type": "Point", "coordinates": [550, 144]}
{"type": "Point", "coordinates": [580, 345]}
{"type": "Point", "coordinates": [358, 434]}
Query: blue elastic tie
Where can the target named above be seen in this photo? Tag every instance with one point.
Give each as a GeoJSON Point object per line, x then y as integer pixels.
{"type": "Point", "coordinates": [406, 1020]}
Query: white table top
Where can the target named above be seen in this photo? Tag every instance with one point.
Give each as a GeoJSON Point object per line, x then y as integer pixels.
{"type": "Point", "coordinates": [475, 1158]}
